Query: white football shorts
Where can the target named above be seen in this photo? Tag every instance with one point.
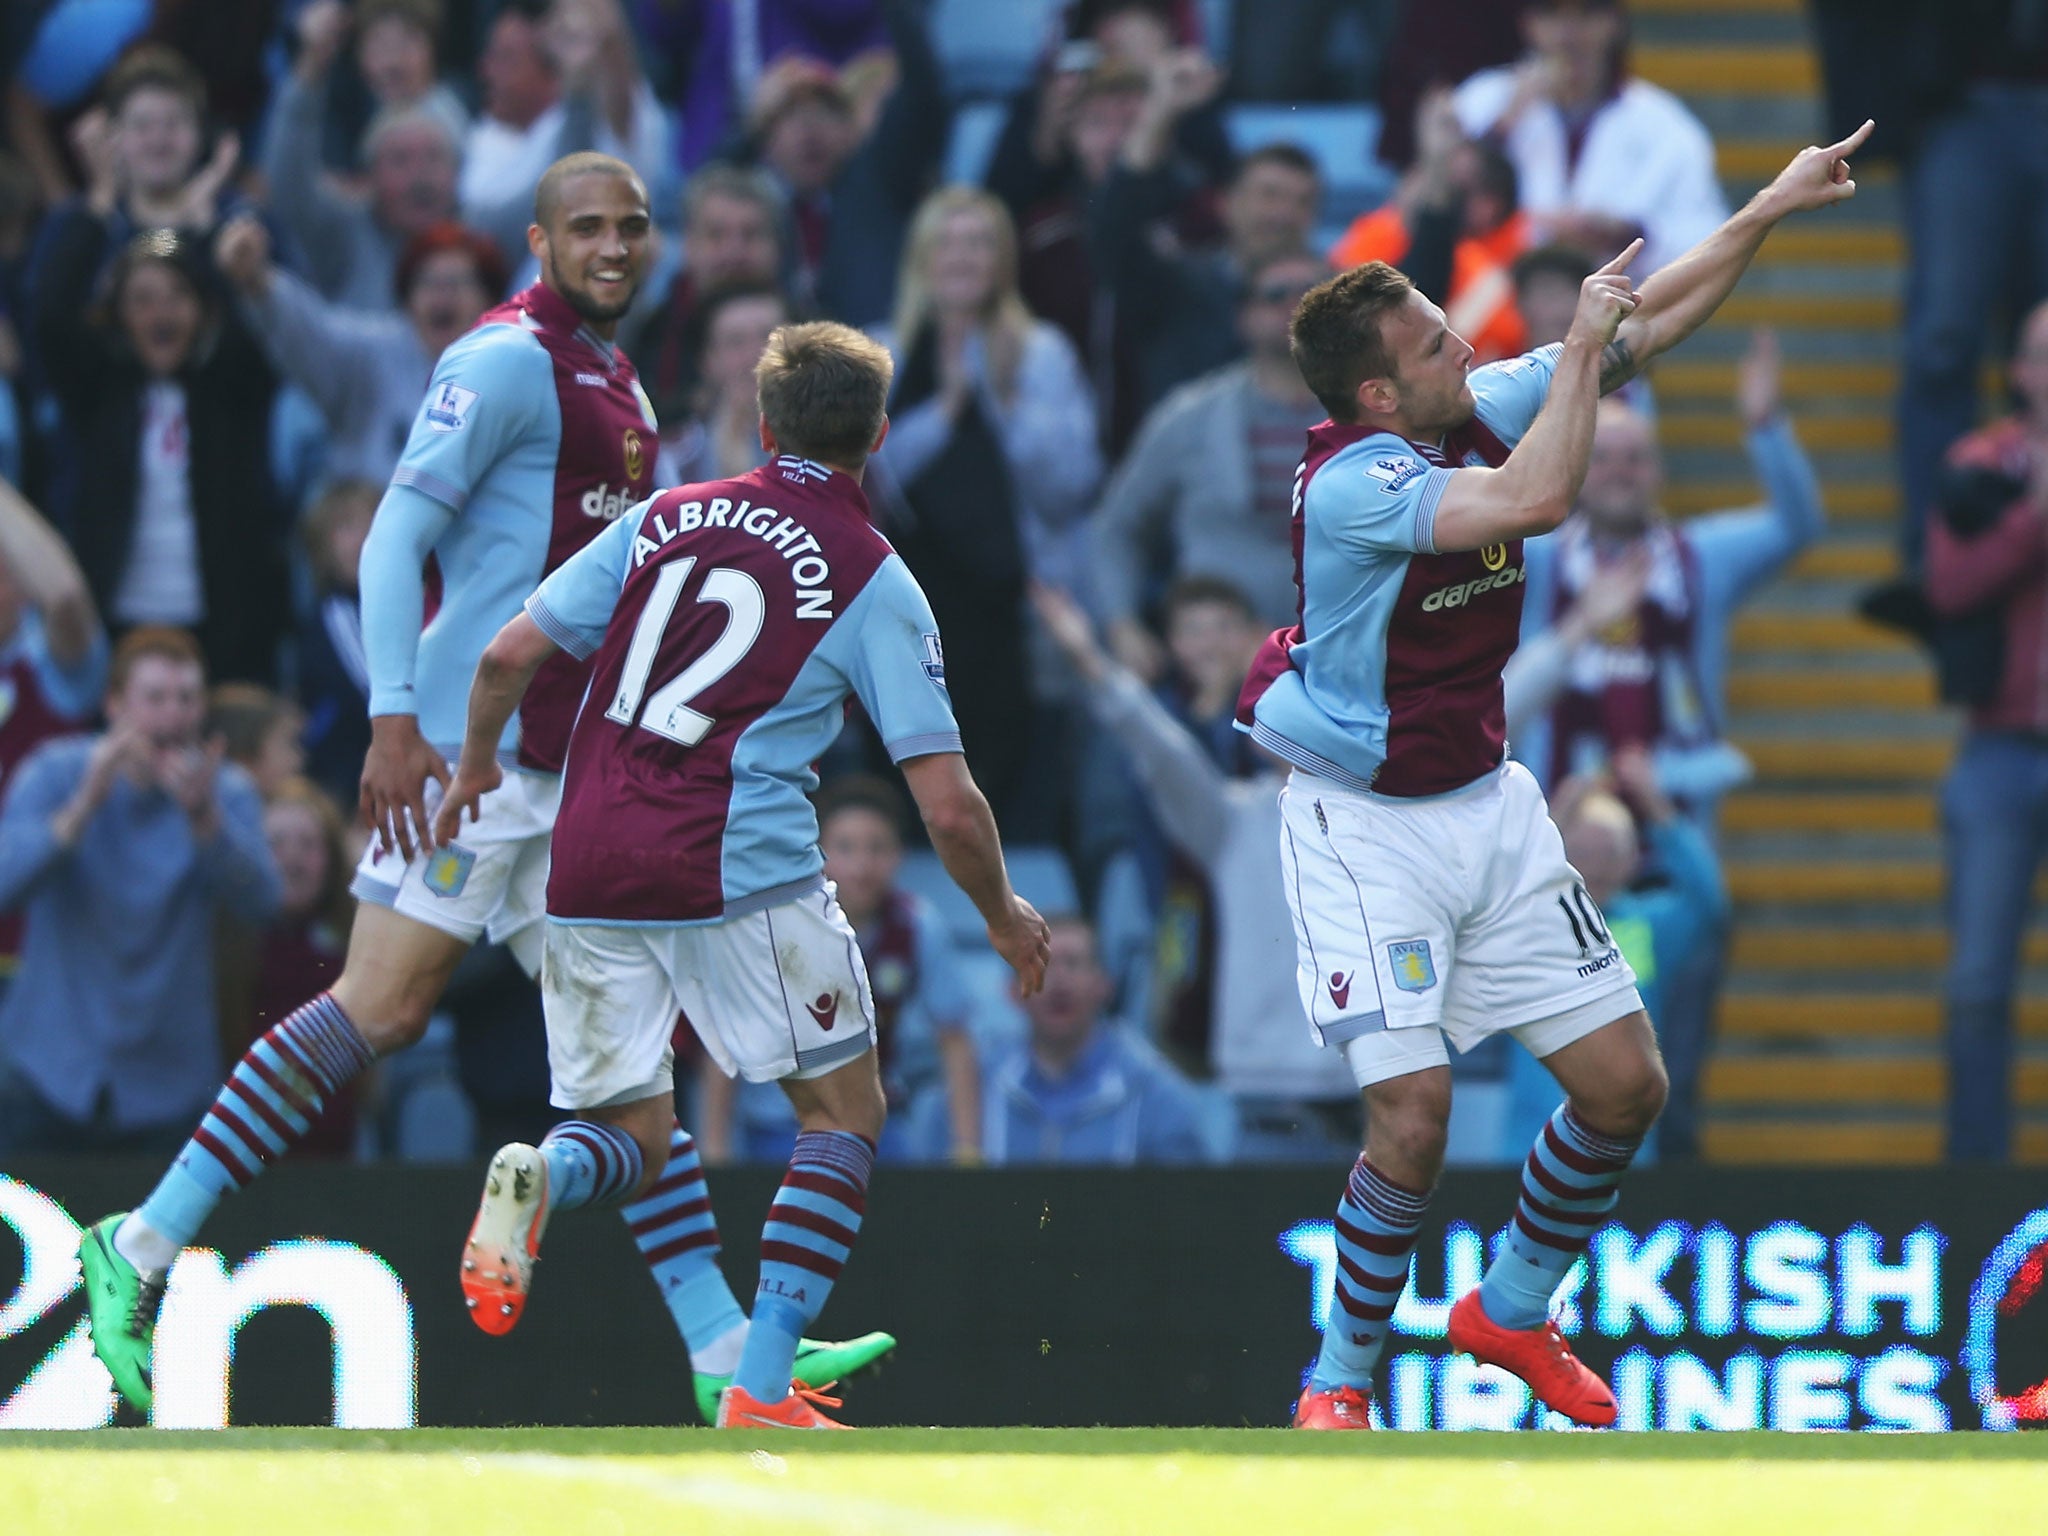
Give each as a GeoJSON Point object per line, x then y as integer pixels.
{"type": "Point", "coordinates": [1448, 918]}
{"type": "Point", "coordinates": [492, 879]}
{"type": "Point", "coordinates": [772, 994]}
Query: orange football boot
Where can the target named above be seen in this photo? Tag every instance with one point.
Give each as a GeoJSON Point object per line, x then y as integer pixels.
{"type": "Point", "coordinates": [740, 1409]}
{"type": "Point", "coordinates": [504, 1240]}
{"type": "Point", "coordinates": [1334, 1408]}
{"type": "Point", "coordinates": [1540, 1357]}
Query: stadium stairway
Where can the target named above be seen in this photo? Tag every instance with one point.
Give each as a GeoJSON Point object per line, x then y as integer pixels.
{"type": "Point", "coordinates": [1829, 1046]}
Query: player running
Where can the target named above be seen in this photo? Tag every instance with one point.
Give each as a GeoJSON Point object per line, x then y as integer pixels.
{"type": "Point", "coordinates": [533, 434]}
{"type": "Point", "coordinates": [1430, 891]}
{"type": "Point", "coordinates": [731, 621]}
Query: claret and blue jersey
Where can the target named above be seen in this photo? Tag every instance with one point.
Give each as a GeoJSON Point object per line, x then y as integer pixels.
{"type": "Point", "coordinates": [1390, 681]}
{"type": "Point", "coordinates": [533, 435]}
{"type": "Point", "coordinates": [730, 621]}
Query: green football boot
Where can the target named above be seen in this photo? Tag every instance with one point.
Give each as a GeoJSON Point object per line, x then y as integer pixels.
{"type": "Point", "coordinates": [121, 1307]}
{"type": "Point", "coordinates": [818, 1365]}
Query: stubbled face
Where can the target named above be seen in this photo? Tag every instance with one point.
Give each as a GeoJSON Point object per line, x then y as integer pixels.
{"type": "Point", "coordinates": [738, 338]}
{"type": "Point", "coordinates": [156, 141]}
{"type": "Point", "coordinates": [808, 144]}
{"type": "Point", "coordinates": [730, 240]}
{"type": "Point", "coordinates": [1212, 645]}
{"type": "Point", "coordinates": [299, 845]}
{"type": "Point", "coordinates": [1102, 123]}
{"type": "Point", "coordinates": [1624, 476]}
{"type": "Point", "coordinates": [397, 61]}
{"type": "Point", "coordinates": [1067, 1009]}
{"type": "Point", "coordinates": [1432, 365]}
{"type": "Point", "coordinates": [446, 299]}
{"type": "Point", "coordinates": [595, 249]}
{"type": "Point", "coordinates": [966, 263]}
{"type": "Point", "coordinates": [1270, 303]}
{"type": "Point", "coordinates": [161, 316]}
{"type": "Point", "coordinates": [518, 84]}
{"type": "Point", "coordinates": [1270, 208]}
{"type": "Point", "coordinates": [862, 856]}
{"type": "Point", "coordinates": [412, 178]}
{"type": "Point", "coordinates": [164, 699]}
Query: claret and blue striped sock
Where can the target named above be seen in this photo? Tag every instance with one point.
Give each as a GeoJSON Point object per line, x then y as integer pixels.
{"type": "Point", "coordinates": [677, 1235]}
{"type": "Point", "coordinates": [270, 1101]}
{"type": "Point", "coordinates": [590, 1163]}
{"type": "Point", "coordinates": [1377, 1224]}
{"type": "Point", "coordinates": [1568, 1185]}
{"type": "Point", "coordinates": [811, 1229]}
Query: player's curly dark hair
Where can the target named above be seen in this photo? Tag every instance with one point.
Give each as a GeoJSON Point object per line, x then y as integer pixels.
{"type": "Point", "coordinates": [1336, 334]}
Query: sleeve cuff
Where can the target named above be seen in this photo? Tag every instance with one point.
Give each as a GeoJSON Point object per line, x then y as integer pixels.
{"type": "Point", "coordinates": [1425, 509]}
{"type": "Point", "coordinates": [558, 630]}
{"type": "Point", "coordinates": [907, 747]}
{"type": "Point", "coordinates": [394, 699]}
{"type": "Point", "coordinates": [453, 497]}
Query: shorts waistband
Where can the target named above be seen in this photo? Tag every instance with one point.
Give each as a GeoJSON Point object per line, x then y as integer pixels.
{"type": "Point", "coordinates": [1313, 784]}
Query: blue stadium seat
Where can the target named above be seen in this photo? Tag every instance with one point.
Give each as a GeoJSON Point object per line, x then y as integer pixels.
{"type": "Point", "coordinates": [976, 127]}
{"type": "Point", "coordinates": [989, 47]}
{"type": "Point", "coordinates": [1127, 932]}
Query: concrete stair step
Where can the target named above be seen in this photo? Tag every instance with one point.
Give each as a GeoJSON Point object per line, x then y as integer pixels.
{"type": "Point", "coordinates": [1733, 70]}
{"type": "Point", "coordinates": [1867, 432]}
{"type": "Point", "coordinates": [1860, 560]}
{"type": "Point", "coordinates": [1845, 1142]}
{"type": "Point", "coordinates": [1853, 881]}
{"type": "Point", "coordinates": [1916, 1082]}
{"type": "Point", "coordinates": [1684, 378]}
{"type": "Point", "coordinates": [1808, 311]}
{"type": "Point", "coordinates": [1810, 949]}
{"type": "Point", "coordinates": [1848, 760]}
{"type": "Point", "coordinates": [1768, 630]}
{"type": "Point", "coordinates": [1754, 812]}
{"type": "Point", "coordinates": [1850, 501]}
{"type": "Point", "coordinates": [1808, 690]}
{"type": "Point", "coordinates": [1773, 1016]}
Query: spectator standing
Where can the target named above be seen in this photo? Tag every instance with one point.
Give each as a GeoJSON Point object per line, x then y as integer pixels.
{"type": "Point", "coordinates": [1995, 802]}
{"type": "Point", "coordinates": [349, 242]}
{"type": "Point", "coordinates": [721, 48]}
{"type": "Point", "coordinates": [123, 849]}
{"type": "Point", "coordinates": [992, 456]}
{"type": "Point", "coordinates": [397, 54]}
{"type": "Point", "coordinates": [366, 370]}
{"type": "Point", "coordinates": [1205, 487]}
{"type": "Point", "coordinates": [165, 394]}
{"type": "Point", "coordinates": [1455, 227]}
{"type": "Point", "coordinates": [922, 1042]}
{"type": "Point", "coordinates": [1176, 297]}
{"type": "Point", "coordinates": [53, 653]}
{"type": "Point", "coordinates": [333, 675]}
{"type": "Point", "coordinates": [720, 438]}
{"type": "Point", "coordinates": [260, 732]}
{"type": "Point", "coordinates": [851, 181]}
{"type": "Point", "coordinates": [1286, 1088]}
{"type": "Point", "coordinates": [557, 79]}
{"type": "Point", "coordinates": [1601, 157]}
{"type": "Point", "coordinates": [1076, 1089]}
{"type": "Point", "coordinates": [732, 235]}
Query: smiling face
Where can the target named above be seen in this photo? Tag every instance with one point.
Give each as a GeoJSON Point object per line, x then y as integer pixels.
{"type": "Point", "coordinates": [161, 315]}
{"type": "Point", "coordinates": [965, 263]}
{"type": "Point", "coordinates": [156, 140]}
{"type": "Point", "coordinates": [1624, 475]}
{"type": "Point", "coordinates": [412, 176]}
{"type": "Point", "coordinates": [594, 247]}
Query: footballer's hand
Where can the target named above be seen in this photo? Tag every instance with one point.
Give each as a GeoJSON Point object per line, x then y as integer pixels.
{"type": "Point", "coordinates": [1818, 175]}
{"type": "Point", "coordinates": [1606, 299]}
{"type": "Point", "coordinates": [394, 787]}
{"type": "Point", "coordinates": [472, 783]}
{"type": "Point", "coordinates": [1025, 942]}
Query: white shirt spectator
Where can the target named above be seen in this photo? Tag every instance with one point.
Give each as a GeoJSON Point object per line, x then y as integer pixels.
{"type": "Point", "coordinates": [161, 584]}
{"type": "Point", "coordinates": [1643, 159]}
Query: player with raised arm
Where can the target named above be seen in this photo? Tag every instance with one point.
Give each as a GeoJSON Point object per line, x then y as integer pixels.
{"type": "Point", "coordinates": [534, 434]}
{"type": "Point", "coordinates": [1430, 891]}
{"type": "Point", "coordinates": [731, 622]}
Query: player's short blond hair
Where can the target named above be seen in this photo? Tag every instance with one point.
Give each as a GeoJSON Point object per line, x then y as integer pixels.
{"type": "Point", "coordinates": [1336, 334]}
{"type": "Point", "coordinates": [824, 391]}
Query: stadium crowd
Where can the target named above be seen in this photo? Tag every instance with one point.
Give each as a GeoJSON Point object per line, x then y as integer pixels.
{"type": "Point", "coordinates": [236, 234]}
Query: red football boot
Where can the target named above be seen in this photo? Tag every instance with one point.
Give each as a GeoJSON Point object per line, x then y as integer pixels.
{"type": "Point", "coordinates": [1539, 1356]}
{"type": "Point", "coordinates": [1335, 1408]}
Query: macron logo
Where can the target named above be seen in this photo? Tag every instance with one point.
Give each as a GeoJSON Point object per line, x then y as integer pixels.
{"type": "Point", "coordinates": [825, 1010]}
{"type": "Point", "coordinates": [1340, 987]}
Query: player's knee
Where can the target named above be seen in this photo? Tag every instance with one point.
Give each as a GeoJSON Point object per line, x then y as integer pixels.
{"type": "Point", "coordinates": [1408, 1122]}
{"type": "Point", "coordinates": [1632, 1104]}
{"type": "Point", "coordinates": [389, 1021]}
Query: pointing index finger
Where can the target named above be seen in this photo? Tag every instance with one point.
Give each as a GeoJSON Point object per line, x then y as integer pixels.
{"type": "Point", "coordinates": [1854, 142]}
{"type": "Point", "coordinates": [1620, 263]}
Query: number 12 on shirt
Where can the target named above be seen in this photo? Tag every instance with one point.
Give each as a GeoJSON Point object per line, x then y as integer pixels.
{"type": "Point", "coordinates": [668, 712]}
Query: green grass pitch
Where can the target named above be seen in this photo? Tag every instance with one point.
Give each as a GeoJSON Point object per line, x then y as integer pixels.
{"type": "Point", "coordinates": [1012, 1482]}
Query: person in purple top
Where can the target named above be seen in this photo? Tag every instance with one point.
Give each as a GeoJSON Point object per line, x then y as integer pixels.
{"type": "Point", "coordinates": [731, 623]}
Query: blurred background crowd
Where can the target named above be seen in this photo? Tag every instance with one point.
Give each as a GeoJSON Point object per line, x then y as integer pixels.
{"type": "Point", "coordinates": [236, 234]}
